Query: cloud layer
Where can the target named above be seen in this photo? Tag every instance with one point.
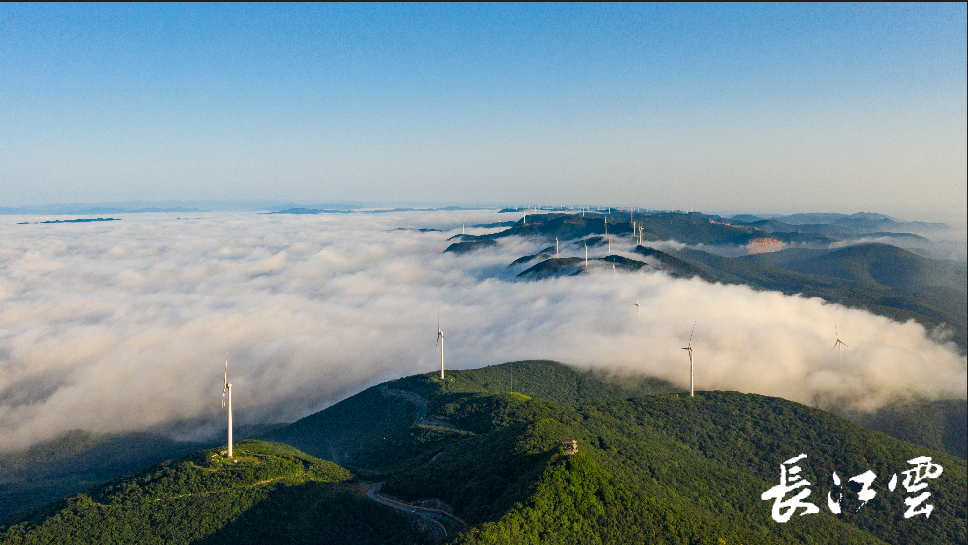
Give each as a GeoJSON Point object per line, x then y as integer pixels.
{"type": "Point", "coordinates": [124, 325]}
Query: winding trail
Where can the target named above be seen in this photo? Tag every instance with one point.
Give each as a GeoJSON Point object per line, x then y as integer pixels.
{"type": "Point", "coordinates": [430, 517]}
{"type": "Point", "coordinates": [422, 405]}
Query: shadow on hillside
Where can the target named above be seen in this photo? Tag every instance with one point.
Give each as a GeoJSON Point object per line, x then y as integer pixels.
{"type": "Point", "coordinates": [312, 513]}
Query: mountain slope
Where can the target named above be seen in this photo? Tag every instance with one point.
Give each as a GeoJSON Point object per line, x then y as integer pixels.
{"type": "Point", "coordinates": [682, 451]}
{"type": "Point", "coordinates": [75, 461]}
{"type": "Point", "coordinates": [205, 499]}
{"type": "Point", "coordinates": [883, 265]}
{"type": "Point", "coordinates": [651, 466]}
{"type": "Point", "coordinates": [857, 286]}
{"type": "Point", "coordinates": [701, 462]}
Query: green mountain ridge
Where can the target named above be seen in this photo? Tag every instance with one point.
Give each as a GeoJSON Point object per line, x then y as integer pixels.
{"type": "Point", "coordinates": [653, 465]}
{"type": "Point", "coordinates": [206, 498]}
{"type": "Point", "coordinates": [75, 461]}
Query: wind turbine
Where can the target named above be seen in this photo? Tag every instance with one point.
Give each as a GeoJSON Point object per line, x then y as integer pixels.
{"type": "Point", "coordinates": [838, 344]}
{"type": "Point", "coordinates": [556, 247]}
{"type": "Point", "coordinates": [586, 254]}
{"type": "Point", "coordinates": [440, 339]}
{"type": "Point", "coordinates": [227, 399]}
{"type": "Point", "coordinates": [614, 272]}
{"type": "Point", "coordinates": [608, 237]}
{"type": "Point", "coordinates": [638, 307]}
{"type": "Point", "coordinates": [692, 382]}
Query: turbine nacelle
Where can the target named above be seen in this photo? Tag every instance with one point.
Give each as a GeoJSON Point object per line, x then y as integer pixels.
{"type": "Point", "coordinates": [692, 377]}
{"type": "Point", "coordinates": [440, 341]}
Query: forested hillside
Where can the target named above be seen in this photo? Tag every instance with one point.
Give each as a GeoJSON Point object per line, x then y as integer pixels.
{"type": "Point", "coordinates": [653, 466]}
{"type": "Point", "coordinates": [271, 493]}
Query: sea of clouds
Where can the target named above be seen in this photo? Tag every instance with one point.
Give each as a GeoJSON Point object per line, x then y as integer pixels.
{"type": "Point", "coordinates": [124, 325]}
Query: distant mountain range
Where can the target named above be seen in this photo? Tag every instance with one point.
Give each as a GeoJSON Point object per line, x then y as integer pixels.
{"type": "Point", "coordinates": [833, 262]}
{"type": "Point", "coordinates": [861, 221]}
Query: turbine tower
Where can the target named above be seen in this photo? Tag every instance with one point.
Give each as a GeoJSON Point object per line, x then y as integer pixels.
{"type": "Point", "coordinates": [586, 254]}
{"type": "Point", "coordinates": [638, 307]}
{"type": "Point", "coordinates": [838, 344]}
{"type": "Point", "coordinates": [227, 399]}
{"type": "Point", "coordinates": [556, 247]}
{"type": "Point", "coordinates": [692, 382]}
{"type": "Point", "coordinates": [440, 339]}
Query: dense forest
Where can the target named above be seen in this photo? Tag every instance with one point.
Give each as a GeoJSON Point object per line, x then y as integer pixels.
{"type": "Point", "coordinates": [653, 465]}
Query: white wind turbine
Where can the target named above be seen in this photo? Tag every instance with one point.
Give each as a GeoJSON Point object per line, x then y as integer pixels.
{"type": "Point", "coordinates": [227, 399]}
{"type": "Point", "coordinates": [692, 384]}
{"type": "Point", "coordinates": [586, 254]}
{"type": "Point", "coordinates": [440, 340]}
{"type": "Point", "coordinates": [638, 307]}
{"type": "Point", "coordinates": [837, 344]}
{"type": "Point", "coordinates": [556, 247]}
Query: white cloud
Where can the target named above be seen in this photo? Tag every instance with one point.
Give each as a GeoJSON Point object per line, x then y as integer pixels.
{"type": "Point", "coordinates": [124, 325]}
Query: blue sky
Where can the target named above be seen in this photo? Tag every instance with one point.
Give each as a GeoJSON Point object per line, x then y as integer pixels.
{"type": "Point", "coordinates": [774, 108]}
